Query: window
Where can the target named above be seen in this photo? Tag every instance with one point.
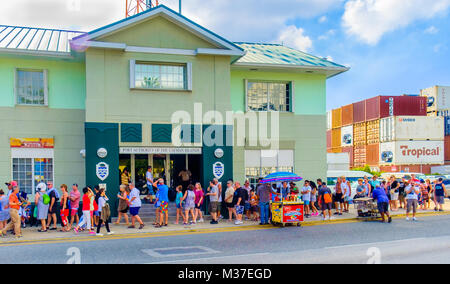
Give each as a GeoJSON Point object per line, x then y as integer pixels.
{"type": "Point", "coordinates": [269, 96]}
{"type": "Point", "coordinates": [158, 76]}
{"type": "Point", "coordinates": [260, 163]}
{"type": "Point", "coordinates": [31, 87]}
{"type": "Point", "coordinates": [28, 172]}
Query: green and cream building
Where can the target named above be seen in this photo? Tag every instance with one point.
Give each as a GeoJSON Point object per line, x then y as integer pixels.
{"type": "Point", "coordinates": [80, 107]}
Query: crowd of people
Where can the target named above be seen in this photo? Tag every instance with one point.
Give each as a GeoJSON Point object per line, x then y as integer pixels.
{"type": "Point", "coordinates": [241, 202]}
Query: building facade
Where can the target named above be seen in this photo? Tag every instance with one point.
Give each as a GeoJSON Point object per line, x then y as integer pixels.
{"type": "Point", "coordinates": [156, 89]}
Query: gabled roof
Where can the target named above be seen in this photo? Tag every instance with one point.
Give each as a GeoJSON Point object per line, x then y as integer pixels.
{"type": "Point", "coordinates": [36, 40]}
{"type": "Point", "coordinates": [169, 14]}
{"type": "Point", "coordinates": [276, 55]}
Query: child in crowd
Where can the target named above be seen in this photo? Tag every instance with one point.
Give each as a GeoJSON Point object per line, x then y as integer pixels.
{"type": "Point", "coordinates": [179, 204]}
{"type": "Point", "coordinates": [254, 205]}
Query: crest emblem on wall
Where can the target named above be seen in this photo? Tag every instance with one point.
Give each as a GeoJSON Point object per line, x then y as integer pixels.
{"type": "Point", "coordinates": [218, 170]}
{"type": "Point", "coordinates": [102, 170]}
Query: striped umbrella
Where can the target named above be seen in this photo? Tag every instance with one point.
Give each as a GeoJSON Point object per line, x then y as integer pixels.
{"type": "Point", "coordinates": [281, 177]}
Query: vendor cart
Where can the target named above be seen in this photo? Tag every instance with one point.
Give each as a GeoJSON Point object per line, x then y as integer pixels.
{"type": "Point", "coordinates": [367, 208]}
{"type": "Point", "coordinates": [287, 212]}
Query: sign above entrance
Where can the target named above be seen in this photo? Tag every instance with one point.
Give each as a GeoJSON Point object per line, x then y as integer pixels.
{"type": "Point", "coordinates": [33, 143]}
{"type": "Point", "coordinates": [160, 150]}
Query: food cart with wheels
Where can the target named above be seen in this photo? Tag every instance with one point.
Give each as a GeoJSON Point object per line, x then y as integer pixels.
{"type": "Point", "coordinates": [285, 210]}
{"type": "Point", "coordinates": [367, 208]}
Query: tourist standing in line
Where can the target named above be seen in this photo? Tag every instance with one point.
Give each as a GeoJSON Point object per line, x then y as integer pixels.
{"type": "Point", "coordinates": [189, 198]}
{"type": "Point", "coordinates": [149, 179]}
{"type": "Point", "coordinates": [229, 200]}
{"type": "Point", "coordinates": [123, 207]}
{"type": "Point", "coordinates": [325, 200]}
{"type": "Point", "coordinates": [53, 206]}
{"type": "Point", "coordinates": [75, 197]}
{"type": "Point", "coordinates": [4, 209]}
{"type": "Point", "coordinates": [42, 208]}
{"type": "Point", "coordinates": [263, 191]}
{"type": "Point", "coordinates": [213, 193]}
{"type": "Point", "coordinates": [64, 209]}
{"type": "Point", "coordinates": [105, 213]}
{"type": "Point", "coordinates": [412, 197]}
{"type": "Point", "coordinates": [162, 198]}
{"type": "Point", "coordinates": [347, 191]}
{"type": "Point", "coordinates": [339, 198]}
{"type": "Point", "coordinates": [179, 204]}
{"type": "Point", "coordinates": [14, 206]}
{"type": "Point", "coordinates": [402, 194]}
{"type": "Point", "coordinates": [199, 197]}
{"type": "Point", "coordinates": [439, 194]}
{"type": "Point", "coordinates": [314, 192]}
{"type": "Point", "coordinates": [247, 202]}
{"type": "Point", "coordinates": [86, 208]}
{"type": "Point", "coordinates": [219, 198]}
{"type": "Point", "coordinates": [135, 206]}
{"type": "Point", "coordinates": [240, 195]}
{"type": "Point", "coordinates": [306, 197]}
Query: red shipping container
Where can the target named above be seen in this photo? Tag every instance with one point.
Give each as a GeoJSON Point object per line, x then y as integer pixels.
{"type": "Point", "coordinates": [447, 148]}
{"type": "Point", "coordinates": [328, 139]}
{"type": "Point", "coordinates": [350, 151]}
{"type": "Point", "coordinates": [384, 106]}
{"type": "Point", "coordinates": [347, 115]}
{"type": "Point", "coordinates": [359, 112]}
{"type": "Point", "coordinates": [424, 169]}
{"type": "Point", "coordinates": [373, 154]}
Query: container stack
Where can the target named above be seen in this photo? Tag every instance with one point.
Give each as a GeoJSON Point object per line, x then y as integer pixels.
{"type": "Point", "coordinates": [438, 104]}
{"type": "Point", "coordinates": [388, 133]}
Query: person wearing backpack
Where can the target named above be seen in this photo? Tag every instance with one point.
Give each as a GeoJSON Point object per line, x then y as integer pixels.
{"type": "Point", "coordinates": [53, 206]}
{"type": "Point", "coordinates": [105, 212]}
{"type": "Point", "coordinates": [42, 203]}
{"type": "Point", "coordinates": [325, 200]}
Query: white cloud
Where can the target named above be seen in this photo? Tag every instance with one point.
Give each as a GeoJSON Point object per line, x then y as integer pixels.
{"type": "Point", "coordinates": [237, 20]}
{"type": "Point", "coordinates": [327, 35]}
{"type": "Point", "coordinates": [294, 37]}
{"type": "Point", "coordinates": [369, 20]}
{"type": "Point", "coordinates": [323, 19]}
{"type": "Point", "coordinates": [432, 30]}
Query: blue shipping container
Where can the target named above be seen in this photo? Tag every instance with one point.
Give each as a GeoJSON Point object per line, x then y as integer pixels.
{"type": "Point", "coordinates": [447, 125]}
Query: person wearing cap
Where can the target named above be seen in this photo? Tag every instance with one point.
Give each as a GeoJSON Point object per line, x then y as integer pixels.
{"type": "Point", "coordinates": [439, 194]}
{"type": "Point", "coordinates": [379, 194]}
{"type": "Point", "coordinates": [14, 206]}
{"type": "Point", "coordinates": [10, 185]}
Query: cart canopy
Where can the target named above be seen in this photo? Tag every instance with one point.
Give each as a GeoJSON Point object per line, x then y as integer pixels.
{"type": "Point", "coordinates": [281, 177]}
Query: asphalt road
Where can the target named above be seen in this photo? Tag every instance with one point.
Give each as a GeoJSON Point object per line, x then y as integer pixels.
{"type": "Point", "coordinates": [425, 241]}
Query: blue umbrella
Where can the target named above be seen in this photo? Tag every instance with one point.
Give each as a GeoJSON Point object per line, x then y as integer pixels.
{"type": "Point", "coordinates": [281, 177]}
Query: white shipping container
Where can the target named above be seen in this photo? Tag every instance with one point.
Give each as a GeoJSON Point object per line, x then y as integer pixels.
{"type": "Point", "coordinates": [347, 136]}
{"type": "Point", "coordinates": [338, 161]}
{"type": "Point", "coordinates": [420, 128]}
{"type": "Point", "coordinates": [329, 120]}
{"type": "Point", "coordinates": [412, 153]}
{"type": "Point", "coordinates": [438, 98]}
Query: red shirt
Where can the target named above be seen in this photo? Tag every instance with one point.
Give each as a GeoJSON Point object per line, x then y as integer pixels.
{"type": "Point", "coordinates": [86, 203]}
{"type": "Point", "coordinates": [13, 199]}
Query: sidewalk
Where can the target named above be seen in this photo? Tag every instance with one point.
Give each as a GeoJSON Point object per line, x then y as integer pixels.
{"type": "Point", "coordinates": [122, 232]}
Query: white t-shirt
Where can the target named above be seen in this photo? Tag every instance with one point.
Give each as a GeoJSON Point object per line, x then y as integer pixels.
{"type": "Point", "coordinates": [137, 201]}
{"type": "Point", "coordinates": [148, 176]}
{"type": "Point", "coordinates": [306, 196]}
{"type": "Point", "coordinates": [345, 189]}
{"type": "Point", "coordinates": [413, 195]}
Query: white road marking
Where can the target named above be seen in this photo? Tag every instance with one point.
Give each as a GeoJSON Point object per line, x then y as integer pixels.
{"type": "Point", "coordinates": [193, 260]}
{"type": "Point", "coordinates": [197, 250]}
{"type": "Point", "coordinates": [377, 243]}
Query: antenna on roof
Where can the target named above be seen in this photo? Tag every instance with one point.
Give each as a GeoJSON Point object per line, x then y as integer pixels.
{"type": "Point", "coordinates": [133, 7]}
{"type": "Point", "coordinates": [179, 6]}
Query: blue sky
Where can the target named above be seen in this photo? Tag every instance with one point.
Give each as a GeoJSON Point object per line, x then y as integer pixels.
{"type": "Point", "coordinates": [392, 46]}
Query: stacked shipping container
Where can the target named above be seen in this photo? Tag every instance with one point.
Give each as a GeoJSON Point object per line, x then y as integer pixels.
{"type": "Point", "coordinates": [358, 126]}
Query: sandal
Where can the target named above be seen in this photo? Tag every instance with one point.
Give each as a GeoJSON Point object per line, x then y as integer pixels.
{"type": "Point", "coordinates": [157, 226]}
{"type": "Point", "coordinates": [42, 231]}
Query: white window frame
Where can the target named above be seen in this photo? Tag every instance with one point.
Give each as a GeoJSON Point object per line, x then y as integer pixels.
{"type": "Point", "coordinates": [188, 83]}
{"type": "Point", "coordinates": [16, 82]}
{"type": "Point", "coordinates": [21, 153]}
{"type": "Point", "coordinates": [291, 94]}
{"type": "Point", "coordinates": [278, 164]}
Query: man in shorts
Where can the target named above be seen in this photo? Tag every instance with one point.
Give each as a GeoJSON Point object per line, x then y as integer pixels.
{"type": "Point", "coordinates": [240, 195]}
{"type": "Point", "coordinates": [247, 202]}
{"type": "Point", "coordinates": [339, 198]}
{"type": "Point", "coordinates": [74, 197]}
{"type": "Point", "coordinates": [325, 200]}
{"type": "Point", "coordinates": [162, 199]}
{"type": "Point", "coordinates": [306, 197]}
{"type": "Point", "coordinates": [439, 193]}
{"type": "Point", "coordinates": [382, 202]}
{"type": "Point", "coordinates": [347, 192]}
{"type": "Point", "coordinates": [213, 193]}
{"type": "Point", "coordinates": [135, 206]}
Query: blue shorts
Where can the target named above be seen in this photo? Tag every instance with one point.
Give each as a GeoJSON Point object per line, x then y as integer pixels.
{"type": "Point", "coordinates": [97, 213]}
{"type": "Point", "coordinates": [239, 210]}
{"type": "Point", "coordinates": [247, 206]}
{"type": "Point", "coordinates": [306, 202]}
{"type": "Point", "coordinates": [134, 211]}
